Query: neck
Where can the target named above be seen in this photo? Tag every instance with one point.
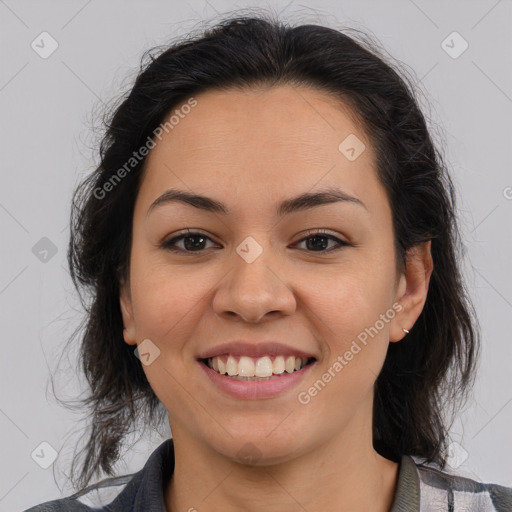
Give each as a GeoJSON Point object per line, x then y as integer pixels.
{"type": "Point", "coordinates": [343, 473]}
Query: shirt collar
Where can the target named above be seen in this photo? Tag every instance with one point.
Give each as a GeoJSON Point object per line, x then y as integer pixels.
{"type": "Point", "coordinates": [407, 492]}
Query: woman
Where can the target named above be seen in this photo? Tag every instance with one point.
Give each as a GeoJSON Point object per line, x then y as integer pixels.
{"type": "Point", "coordinates": [271, 247]}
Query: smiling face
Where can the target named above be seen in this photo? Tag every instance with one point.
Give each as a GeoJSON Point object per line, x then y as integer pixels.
{"type": "Point", "coordinates": [256, 269]}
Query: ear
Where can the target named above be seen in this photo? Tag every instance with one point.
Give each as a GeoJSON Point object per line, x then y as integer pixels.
{"type": "Point", "coordinates": [125, 300]}
{"type": "Point", "coordinates": [412, 289]}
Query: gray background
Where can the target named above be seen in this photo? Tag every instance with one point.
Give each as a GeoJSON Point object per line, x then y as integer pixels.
{"type": "Point", "coordinates": [47, 108]}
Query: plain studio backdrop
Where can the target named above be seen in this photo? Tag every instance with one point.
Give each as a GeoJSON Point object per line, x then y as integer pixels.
{"type": "Point", "coordinates": [460, 54]}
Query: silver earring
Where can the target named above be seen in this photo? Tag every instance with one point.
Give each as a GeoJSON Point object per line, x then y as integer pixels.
{"type": "Point", "coordinates": [405, 330]}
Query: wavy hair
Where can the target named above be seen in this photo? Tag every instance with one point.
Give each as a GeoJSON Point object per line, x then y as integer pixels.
{"type": "Point", "coordinates": [432, 368]}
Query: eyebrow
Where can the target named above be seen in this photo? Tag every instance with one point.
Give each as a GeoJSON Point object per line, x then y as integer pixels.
{"type": "Point", "coordinates": [302, 202]}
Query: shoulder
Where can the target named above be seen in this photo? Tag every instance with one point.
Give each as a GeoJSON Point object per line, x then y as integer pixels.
{"type": "Point", "coordinates": [63, 505]}
{"type": "Point", "coordinates": [97, 497]}
{"type": "Point", "coordinates": [136, 492]}
{"type": "Point", "coordinates": [458, 492]}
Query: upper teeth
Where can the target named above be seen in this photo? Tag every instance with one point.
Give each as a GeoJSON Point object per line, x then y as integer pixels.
{"type": "Point", "coordinates": [260, 367]}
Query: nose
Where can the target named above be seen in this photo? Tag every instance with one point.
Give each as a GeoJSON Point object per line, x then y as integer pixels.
{"type": "Point", "coordinates": [252, 290]}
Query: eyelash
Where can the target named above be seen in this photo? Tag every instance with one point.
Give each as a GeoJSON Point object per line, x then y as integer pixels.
{"type": "Point", "coordinates": [169, 244]}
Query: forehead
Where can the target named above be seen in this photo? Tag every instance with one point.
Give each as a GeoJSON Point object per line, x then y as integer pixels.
{"type": "Point", "coordinates": [263, 142]}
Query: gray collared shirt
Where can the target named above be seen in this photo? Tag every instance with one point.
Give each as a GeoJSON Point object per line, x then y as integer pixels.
{"type": "Point", "coordinates": [420, 488]}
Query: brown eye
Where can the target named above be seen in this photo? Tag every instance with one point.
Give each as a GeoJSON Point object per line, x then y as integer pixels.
{"type": "Point", "coordinates": [192, 242]}
{"type": "Point", "coordinates": [195, 242]}
{"type": "Point", "coordinates": [320, 241]}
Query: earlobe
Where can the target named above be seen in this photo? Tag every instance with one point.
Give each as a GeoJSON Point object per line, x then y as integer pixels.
{"type": "Point", "coordinates": [412, 290]}
{"type": "Point", "coordinates": [129, 332]}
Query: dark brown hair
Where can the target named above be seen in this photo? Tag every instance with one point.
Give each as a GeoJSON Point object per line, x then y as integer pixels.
{"type": "Point", "coordinates": [432, 368]}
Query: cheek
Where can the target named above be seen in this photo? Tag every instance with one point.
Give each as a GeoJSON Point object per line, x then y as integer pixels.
{"type": "Point", "coordinates": [347, 300]}
{"type": "Point", "coordinates": [345, 312]}
{"type": "Point", "coordinates": [348, 307]}
{"type": "Point", "coordinates": [167, 299]}
{"type": "Point", "coordinates": [168, 303]}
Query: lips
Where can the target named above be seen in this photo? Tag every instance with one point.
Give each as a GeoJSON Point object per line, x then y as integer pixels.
{"type": "Point", "coordinates": [254, 388]}
{"type": "Point", "coordinates": [255, 349]}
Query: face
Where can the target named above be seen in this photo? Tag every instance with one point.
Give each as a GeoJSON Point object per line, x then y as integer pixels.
{"type": "Point", "coordinates": [314, 276]}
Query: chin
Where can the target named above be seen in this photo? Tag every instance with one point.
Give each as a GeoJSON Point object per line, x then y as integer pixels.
{"type": "Point", "coordinates": [258, 450]}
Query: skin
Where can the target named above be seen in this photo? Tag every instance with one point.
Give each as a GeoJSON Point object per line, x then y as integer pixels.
{"type": "Point", "coordinates": [250, 150]}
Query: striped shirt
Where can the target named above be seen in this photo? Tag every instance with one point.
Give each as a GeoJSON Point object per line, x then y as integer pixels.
{"type": "Point", "coordinates": [420, 488]}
